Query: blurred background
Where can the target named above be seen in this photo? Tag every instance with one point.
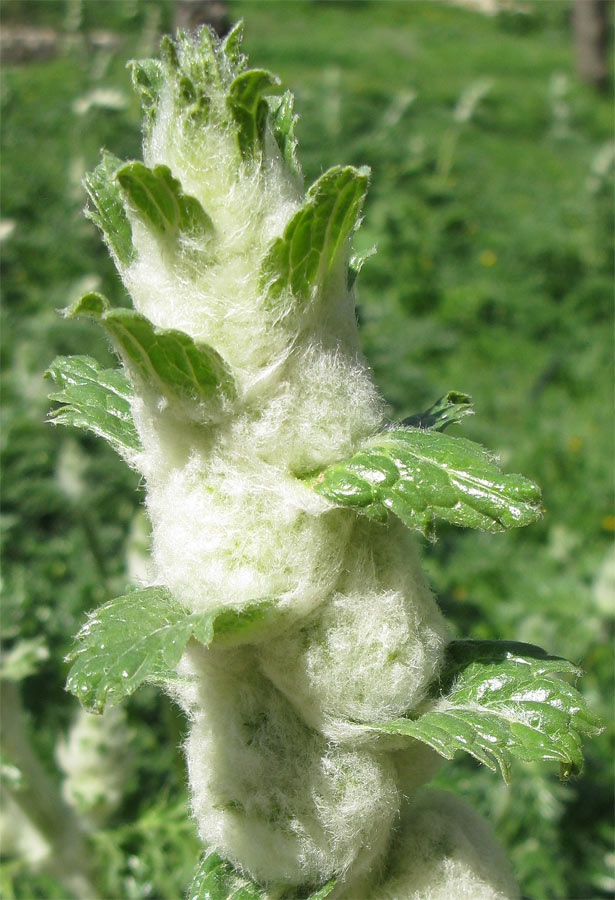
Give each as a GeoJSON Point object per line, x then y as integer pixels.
{"type": "Point", "coordinates": [488, 126]}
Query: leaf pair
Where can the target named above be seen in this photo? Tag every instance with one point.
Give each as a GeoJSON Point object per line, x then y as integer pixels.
{"type": "Point", "coordinates": [159, 200]}
{"type": "Point", "coordinates": [168, 361]}
{"type": "Point", "coordinates": [503, 699]}
{"type": "Point", "coordinates": [154, 195]}
{"type": "Point", "coordinates": [495, 699]}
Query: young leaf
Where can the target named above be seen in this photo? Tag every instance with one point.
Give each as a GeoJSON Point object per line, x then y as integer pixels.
{"type": "Point", "coordinates": [283, 123]}
{"type": "Point", "coordinates": [108, 210]}
{"type": "Point", "coordinates": [217, 879]}
{"type": "Point", "coordinates": [96, 399]}
{"type": "Point", "coordinates": [141, 636]}
{"type": "Point", "coordinates": [249, 109]}
{"type": "Point", "coordinates": [93, 305]}
{"type": "Point", "coordinates": [160, 201]}
{"type": "Point", "coordinates": [356, 263]}
{"type": "Point", "coordinates": [302, 258]}
{"type": "Point", "coordinates": [168, 52]}
{"type": "Point", "coordinates": [198, 58]}
{"type": "Point", "coordinates": [422, 475]}
{"type": "Point", "coordinates": [166, 359]}
{"type": "Point", "coordinates": [231, 48]}
{"type": "Point", "coordinates": [449, 409]}
{"type": "Point", "coordinates": [503, 699]}
{"type": "Point", "coordinates": [147, 78]}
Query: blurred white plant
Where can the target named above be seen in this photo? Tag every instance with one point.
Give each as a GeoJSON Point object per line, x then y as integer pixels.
{"type": "Point", "coordinates": [19, 838]}
{"type": "Point", "coordinates": [103, 98]}
{"type": "Point", "coordinates": [96, 760]}
{"type": "Point", "coordinates": [602, 168]}
{"type": "Point", "coordinates": [559, 89]}
{"type": "Point", "coordinates": [469, 99]}
{"type": "Point", "coordinates": [604, 585]}
{"type": "Point", "coordinates": [7, 227]}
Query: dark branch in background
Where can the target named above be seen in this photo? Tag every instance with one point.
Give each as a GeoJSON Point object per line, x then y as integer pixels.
{"type": "Point", "coordinates": [590, 30]}
{"type": "Point", "coordinates": [192, 14]}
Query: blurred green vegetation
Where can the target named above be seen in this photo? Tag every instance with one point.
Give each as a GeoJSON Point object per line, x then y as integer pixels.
{"type": "Point", "coordinates": [491, 209]}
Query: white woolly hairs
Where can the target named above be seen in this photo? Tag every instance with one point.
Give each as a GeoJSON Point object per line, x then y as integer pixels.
{"type": "Point", "coordinates": [227, 538]}
{"type": "Point", "coordinates": [444, 851]}
{"type": "Point", "coordinates": [370, 651]}
{"type": "Point", "coordinates": [270, 794]}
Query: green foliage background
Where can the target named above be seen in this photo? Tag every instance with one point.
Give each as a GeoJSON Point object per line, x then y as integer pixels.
{"type": "Point", "coordinates": [494, 275]}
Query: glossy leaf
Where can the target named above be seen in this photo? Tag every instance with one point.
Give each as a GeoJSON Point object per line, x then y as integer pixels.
{"type": "Point", "coordinates": [107, 208]}
{"type": "Point", "coordinates": [302, 258]}
{"type": "Point", "coordinates": [95, 399]}
{"type": "Point", "coordinates": [501, 700]}
{"type": "Point", "coordinates": [169, 361]}
{"type": "Point", "coordinates": [141, 636]}
{"type": "Point", "coordinates": [160, 201]}
{"type": "Point", "coordinates": [448, 410]}
{"type": "Point", "coordinates": [423, 475]}
{"type": "Point", "coordinates": [217, 879]}
{"type": "Point", "coordinates": [249, 109]}
{"type": "Point", "coordinates": [283, 121]}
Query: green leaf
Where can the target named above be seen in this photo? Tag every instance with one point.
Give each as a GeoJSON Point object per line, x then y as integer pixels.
{"type": "Point", "coordinates": [93, 305]}
{"type": "Point", "coordinates": [168, 52]}
{"type": "Point", "coordinates": [249, 109]}
{"type": "Point", "coordinates": [231, 47]}
{"type": "Point", "coordinates": [107, 209]}
{"type": "Point", "coordinates": [160, 201]}
{"type": "Point", "coordinates": [283, 123]}
{"type": "Point", "coordinates": [168, 360]}
{"type": "Point", "coordinates": [217, 879]}
{"type": "Point", "coordinates": [422, 475]}
{"type": "Point", "coordinates": [448, 410]}
{"type": "Point", "coordinates": [141, 636]}
{"type": "Point", "coordinates": [356, 263]}
{"type": "Point", "coordinates": [198, 57]}
{"type": "Point", "coordinates": [302, 258]}
{"type": "Point", "coordinates": [95, 399]}
{"type": "Point", "coordinates": [147, 79]}
{"type": "Point", "coordinates": [503, 699]}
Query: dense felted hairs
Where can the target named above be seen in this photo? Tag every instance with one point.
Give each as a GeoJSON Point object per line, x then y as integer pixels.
{"type": "Point", "coordinates": [372, 648]}
{"type": "Point", "coordinates": [444, 850]}
{"type": "Point", "coordinates": [271, 794]}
